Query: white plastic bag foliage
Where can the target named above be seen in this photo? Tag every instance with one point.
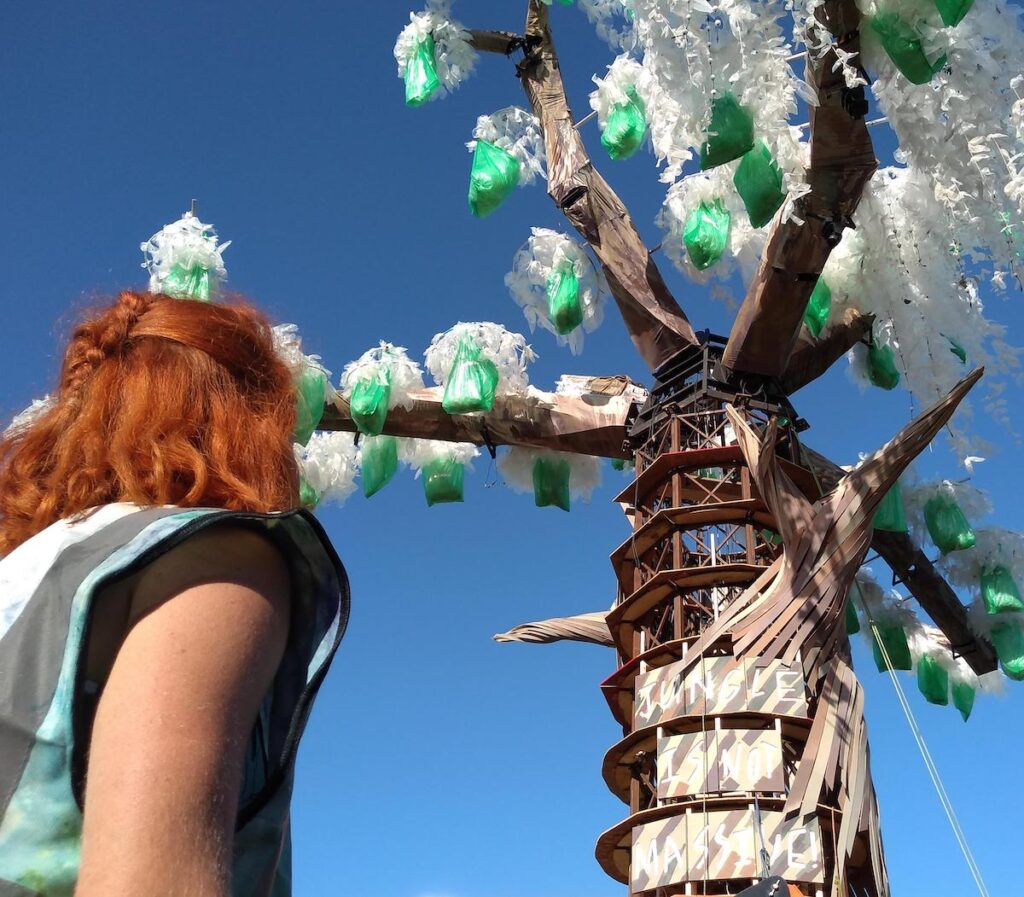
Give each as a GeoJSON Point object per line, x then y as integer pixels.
{"type": "Point", "coordinates": [313, 389]}
{"type": "Point", "coordinates": [745, 243]}
{"type": "Point", "coordinates": [509, 352]}
{"type": "Point", "coordinates": [540, 268]}
{"type": "Point", "coordinates": [959, 130]}
{"type": "Point", "coordinates": [518, 133]}
{"type": "Point", "coordinates": [184, 259]}
{"type": "Point", "coordinates": [904, 264]}
{"type": "Point", "coordinates": [454, 57]}
{"type": "Point", "coordinates": [614, 89]}
{"type": "Point", "coordinates": [384, 376]}
{"type": "Point", "coordinates": [518, 467]}
{"type": "Point", "coordinates": [328, 464]}
{"type": "Point", "coordinates": [995, 551]}
{"type": "Point", "coordinates": [26, 417]}
{"type": "Point", "coordinates": [612, 20]}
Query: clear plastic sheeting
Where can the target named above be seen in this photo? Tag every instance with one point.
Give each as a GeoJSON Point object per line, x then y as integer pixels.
{"type": "Point", "coordinates": [433, 53]}
{"type": "Point", "coordinates": [541, 285]}
{"type": "Point", "coordinates": [184, 259]}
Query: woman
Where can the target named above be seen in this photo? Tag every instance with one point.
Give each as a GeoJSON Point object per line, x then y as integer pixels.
{"type": "Point", "coordinates": [166, 612]}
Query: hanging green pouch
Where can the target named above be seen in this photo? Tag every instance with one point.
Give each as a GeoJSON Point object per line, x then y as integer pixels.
{"type": "Point", "coordinates": [890, 516]}
{"type": "Point", "coordinates": [895, 641]}
{"type": "Point", "coordinates": [369, 403]}
{"type": "Point", "coordinates": [551, 483]}
{"type": "Point", "coordinates": [625, 127]}
{"type": "Point", "coordinates": [563, 291]}
{"type": "Point", "coordinates": [957, 349]}
{"type": "Point", "coordinates": [1008, 640]}
{"type": "Point", "coordinates": [933, 681]}
{"type": "Point", "coordinates": [852, 620]}
{"type": "Point", "coordinates": [443, 481]}
{"type": "Point", "coordinates": [902, 45]}
{"type": "Point", "coordinates": [471, 382]}
{"type": "Point", "coordinates": [311, 392]}
{"type": "Point", "coordinates": [818, 308]}
{"type": "Point", "coordinates": [963, 699]}
{"type": "Point", "coordinates": [953, 11]}
{"type": "Point", "coordinates": [379, 463]}
{"type": "Point", "coordinates": [999, 591]}
{"type": "Point", "coordinates": [706, 234]}
{"type": "Point", "coordinates": [882, 366]}
{"type": "Point", "coordinates": [309, 498]}
{"type": "Point", "coordinates": [421, 79]}
{"type": "Point", "coordinates": [758, 180]}
{"type": "Point", "coordinates": [188, 283]}
{"type": "Point", "coordinates": [730, 132]}
{"type": "Point", "coordinates": [947, 525]}
{"type": "Point", "coordinates": [493, 176]}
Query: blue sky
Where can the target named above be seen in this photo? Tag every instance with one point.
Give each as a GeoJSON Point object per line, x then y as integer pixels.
{"type": "Point", "coordinates": [437, 762]}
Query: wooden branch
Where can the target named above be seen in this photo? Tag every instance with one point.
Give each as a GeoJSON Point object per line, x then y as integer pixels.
{"type": "Point", "coordinates": [589, 425]}
{"type": "Point", "coordinates": [504, 42]}
{"type": "Point", "coordinates": [812, 357]}
{"type": "Point", "coordinates": [911, 567]}
{"type": "Point", "coordinates": [655, 322]}
{"type": "Point", "coordinates": [590, 628]}
{"type": "Point", "coordinates": [842, 162]}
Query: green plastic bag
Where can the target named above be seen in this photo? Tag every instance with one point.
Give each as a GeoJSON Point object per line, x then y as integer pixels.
{"type": "Point", "coordinates": [890, 516]}
{"type": "Point", "coordinates": [379, 464]}
{"type": "Point", "coordinates": [188, 283]}
{"type": "Point", "coordinates": [369, 404]}
{"type": "Point", "coordinates": [947, 524]}
{"type": "Point", "coordinates": [706, 234]}
{"type": "Point", "coordinates": [551, 483]}
{"type": "Point", "coordinates": [625, 128]}
{"type": "Point", "coordinates": [758, 180]}
{"type": "Point", "coordinates": [895, 641]}
{"type": "Point", "coordinates": [958, 350]}
{"type": "Point", "coordinates": [963, 699]}
{"type": "Point", "coordinates": [443, 481]}
{"type": "Point", "coordinates": [882, 367]}
{"type": "Point", "coordinates": [309, 498]}
{"type": "Point", "coordinates": [933, 681]}
{"type": "Point", "coordinates": [770, 537]}
{"type": "Point", "coordinates": [472, 381]}
{"type": "Point", "coordinates": [1008, 640]}
{"type": "Point", "coordinates": [902, 45]}
{"type": "Point", "coordinates": [730, 132]}
{"type": "Point", "coordinates": [953, 11]}
{"type": "Point", "coordinates": [818, 308]}
{"type": "Point", "coordinates": [311, 393]}
{"type": "Point", "coordinates": [999, 591]}
{"type": "Point", "coordinates": [563, 291]}
{"type": "Point", "coordinates": [493, 176]}
{"type": "Point", "coordinates": [421, 81]}
{"type": "Point", "coordinates": [622, 464]}
{"type": "Point", "coordinates": [852, 620]}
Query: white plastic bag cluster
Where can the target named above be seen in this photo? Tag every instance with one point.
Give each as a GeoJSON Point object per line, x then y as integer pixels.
{"type": "Point", "coordinates": [545, 252]}
{"type": "Point", "coordinates": [993, 548]}
{"type": "Point", "coordinates": [454, 57]}
{"type": "Point", "coordinates": [27, 416]}
{"type": "Point", "coordinates": [518, 133]}
{"type": "Point", "coordinates": [380, 362]}
{"type": "Point", "coordinates": [329, 463]}
{"type": "Point", "coordinates": [972, 501]}
{"type": "Point", "coordinates": [509, 352]}
{"type": "Point", "coordinates": [516, 467]}
{"type": "Point", "coordinates": [186, 242]}
{"type": "Point", "coordinates": [612, 20]}
{"type": "Point", "coordinates": [288, 345]}
{"type": "Point", "coordinates": [959, 129]}
{"type": "Point", "coordinates": [904, 264]}
{"type": "Point", "coordinates": [612, 90]}
{"type": "Point", "coordinates": [418, 453]}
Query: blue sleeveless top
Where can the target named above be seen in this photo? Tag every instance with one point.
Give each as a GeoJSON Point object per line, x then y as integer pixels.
{"type": "Point", "coordinates": [48, 587]}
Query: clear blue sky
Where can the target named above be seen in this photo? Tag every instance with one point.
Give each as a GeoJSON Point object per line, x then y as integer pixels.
{"type": "Point", "coordinates": [437, 762]}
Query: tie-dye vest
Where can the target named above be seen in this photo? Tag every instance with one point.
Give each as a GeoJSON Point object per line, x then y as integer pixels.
{"type": "Point", "coordinates": [48, 589]}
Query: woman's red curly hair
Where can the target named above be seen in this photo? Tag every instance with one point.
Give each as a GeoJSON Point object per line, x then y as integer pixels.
{"type": "Point", "coordinates": [161, 401]}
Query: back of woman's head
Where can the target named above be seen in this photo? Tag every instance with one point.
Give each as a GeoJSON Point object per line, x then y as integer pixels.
{"type": "Point", "coordinates": [160, 401]}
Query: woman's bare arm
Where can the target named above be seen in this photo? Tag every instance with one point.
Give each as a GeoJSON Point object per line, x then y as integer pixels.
{"type": "Point", "coordinates": [210, 621]}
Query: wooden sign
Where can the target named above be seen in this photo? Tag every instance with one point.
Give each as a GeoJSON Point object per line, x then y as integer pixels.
{"type": "Point", "coordinates": [723, 845]}
{"type": "Point", "coordinates": [719, 761]}
{"type": "Point", "coordinates": [718, 685]}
